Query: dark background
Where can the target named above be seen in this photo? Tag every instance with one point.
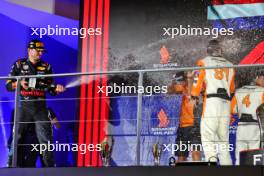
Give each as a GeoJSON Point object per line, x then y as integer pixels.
{"type": "Point", "coordinates": [136, 36]}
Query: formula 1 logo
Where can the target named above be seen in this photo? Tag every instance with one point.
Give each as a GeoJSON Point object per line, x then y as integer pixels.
{"type": "Point", "coordinates": [163, 119]}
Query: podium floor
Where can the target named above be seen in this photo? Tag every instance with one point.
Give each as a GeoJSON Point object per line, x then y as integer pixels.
{"type": "Point", "coordinates": [137, 171]}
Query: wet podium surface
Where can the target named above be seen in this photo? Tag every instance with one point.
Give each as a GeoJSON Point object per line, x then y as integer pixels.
{"type": "Point", "coordinates": [138, 171]}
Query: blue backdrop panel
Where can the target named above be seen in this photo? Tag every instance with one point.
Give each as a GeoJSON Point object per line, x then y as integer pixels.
{"type": "Point", "coordinates": [13, 45]}
{"type": "Point", "coordinates": [122, 127]}
{"type": "Point", "coordinates": [232, 135]}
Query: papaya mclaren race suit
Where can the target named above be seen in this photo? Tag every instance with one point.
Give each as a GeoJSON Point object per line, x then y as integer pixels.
{"type": "Point", "coordinates": [189, 128]}
{"type": "Point", "coordinates": [218, 85]}
{"type": "Point", "coordinates": [32, 106]}
{"type": "Point", "coordinates": [245, 103]}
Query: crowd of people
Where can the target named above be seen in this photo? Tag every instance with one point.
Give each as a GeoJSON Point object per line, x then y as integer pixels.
{"type": "Point", "coordinates": [209, 100]}
{"type": "Point", "coordinates": [220, 101]}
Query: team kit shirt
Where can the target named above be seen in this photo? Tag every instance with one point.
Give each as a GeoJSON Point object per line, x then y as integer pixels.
{"type": "Point", "coordinates": [218, 86]}
{"type": "Point", "coordinates": [23, 67]}
{"type": "Point", "coordinates": [186, 114]}
{"type": "Point", "coordinates": [212, 79]}
{"type": "Point", "coordinates": [245, 103]}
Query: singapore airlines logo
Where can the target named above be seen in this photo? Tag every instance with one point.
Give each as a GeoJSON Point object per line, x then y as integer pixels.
{"type": "Point", "coordinates": [165, 125]}
{"type": "Point", "coordinates": [165, 57]}
{"type": "Point", "coordinates": [163, 119]}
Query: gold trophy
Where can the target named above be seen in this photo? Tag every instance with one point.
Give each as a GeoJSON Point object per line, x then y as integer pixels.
{"type": "Point", "coordinates": [156, 151]}
{"type": "Point", "coordinates": [106, 152]}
